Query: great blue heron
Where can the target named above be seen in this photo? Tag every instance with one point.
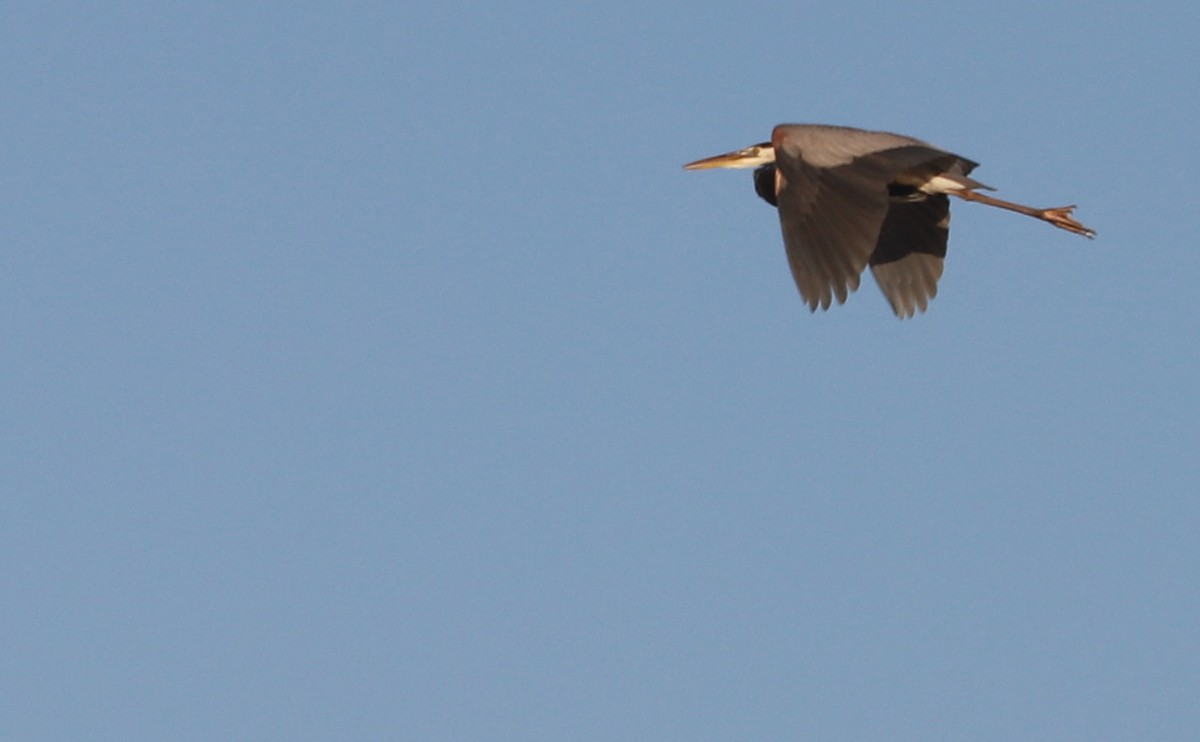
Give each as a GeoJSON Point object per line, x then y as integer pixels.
{"type": "Point", "coordinates": [849, 198]}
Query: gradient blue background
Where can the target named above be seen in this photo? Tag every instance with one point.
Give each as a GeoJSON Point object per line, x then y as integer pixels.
{"type": "Point", "coordinates": [373, 371]}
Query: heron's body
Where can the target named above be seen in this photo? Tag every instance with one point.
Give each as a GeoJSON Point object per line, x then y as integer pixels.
{"type": "Point", "coordinates": [849, 198]}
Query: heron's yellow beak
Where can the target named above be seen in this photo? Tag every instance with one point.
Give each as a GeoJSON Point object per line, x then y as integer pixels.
{"type": "Point", "coordinates": [759, 154]}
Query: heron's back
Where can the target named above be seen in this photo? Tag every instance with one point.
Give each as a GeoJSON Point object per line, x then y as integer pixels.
{"type": "Point", "coordinates": [824, 146]}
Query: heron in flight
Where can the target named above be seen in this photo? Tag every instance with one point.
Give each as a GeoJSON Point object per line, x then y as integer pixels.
{"type": "Point", "coordinates": [849, 198]}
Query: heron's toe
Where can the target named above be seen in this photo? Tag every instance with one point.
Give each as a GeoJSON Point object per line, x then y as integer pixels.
{"type": "Point", "coordinates": [1061, 218]}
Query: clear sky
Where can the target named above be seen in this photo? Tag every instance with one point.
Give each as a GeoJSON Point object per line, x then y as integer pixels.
{"type": "Point", "coordinates": [374, 371]}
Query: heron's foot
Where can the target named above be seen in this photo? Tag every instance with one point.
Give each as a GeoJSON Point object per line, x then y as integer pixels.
{"type": "Point", "coordinates": [1061, 218]}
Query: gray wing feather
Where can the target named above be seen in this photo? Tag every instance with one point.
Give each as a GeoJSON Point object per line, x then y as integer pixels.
{"type": "Point", "coordinates": [830, 223]}
{"type": "Point", "coordinates": [830, 146]}
{"type": "Point", "coordinates": [910, 255]}
{"type": "Point", "coordinates": [832, 217]}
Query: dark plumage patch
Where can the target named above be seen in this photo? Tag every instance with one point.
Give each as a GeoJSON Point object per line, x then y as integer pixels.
{"type": "Point", "coordinates": [764, 184]}
{"type": "Point", "coordinates": [901, 192]}
{"type": "Point", "coordinates": [908, 257]}
{"type": "Point", "coordinates": [913, 226]}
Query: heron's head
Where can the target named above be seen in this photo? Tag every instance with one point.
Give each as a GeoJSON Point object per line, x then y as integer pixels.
{"type": "Point", "coordinates": [755, 156]}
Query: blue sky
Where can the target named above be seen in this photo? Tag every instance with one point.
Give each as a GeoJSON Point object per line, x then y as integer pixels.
{"type": "Point", "coordinates": [374, 371]}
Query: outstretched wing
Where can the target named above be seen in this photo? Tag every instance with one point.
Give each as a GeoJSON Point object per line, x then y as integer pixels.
{"type": "Point", "coordinates": [910, 254]}
{"type": "Point", "coordinates": [831, 186]}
